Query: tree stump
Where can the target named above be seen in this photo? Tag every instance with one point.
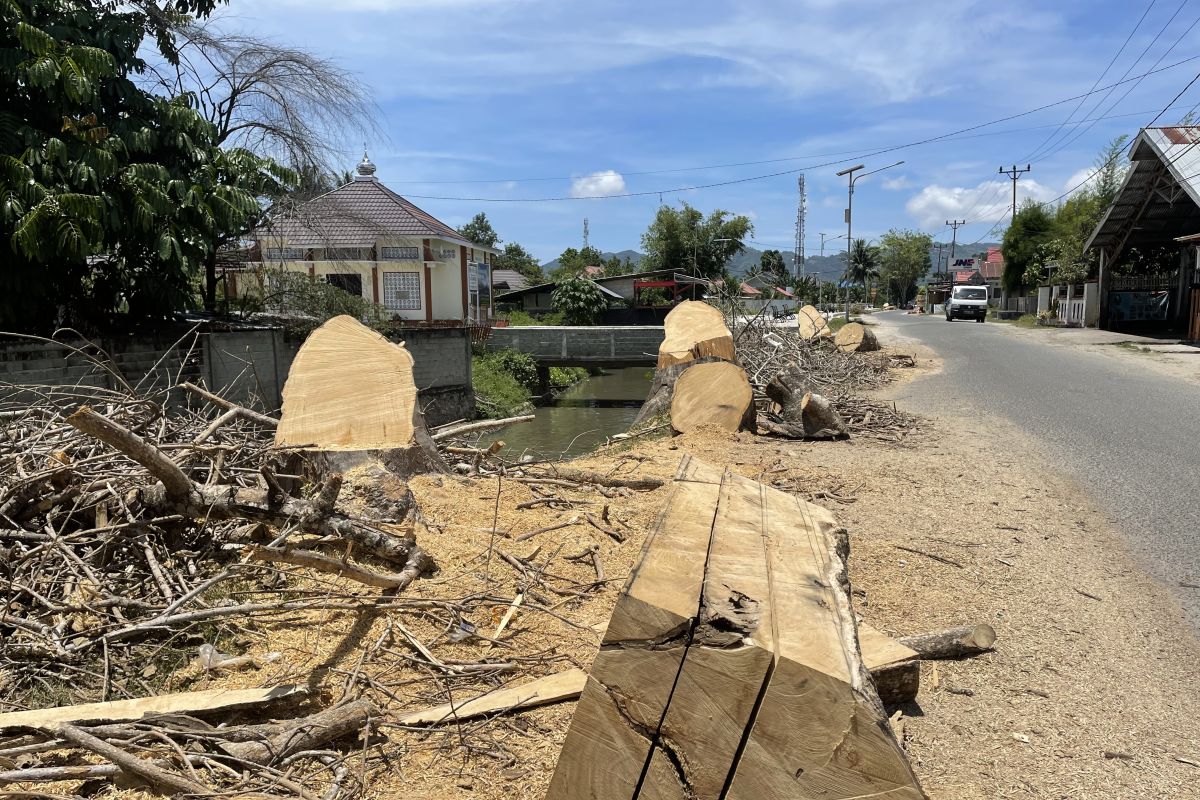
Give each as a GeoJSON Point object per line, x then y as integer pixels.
{"type": "Point", "coordinates": [694, 330]}
{"type": "Point", "coordinates": [812, 324]}
{"type": "Point", "coordinates": [854, 337]}
{"type": "Point", "coordinates": [812, 416]}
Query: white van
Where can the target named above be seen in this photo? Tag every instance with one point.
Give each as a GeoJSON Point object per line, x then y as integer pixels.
{"type": "Point", "coordinates": [967, 302]}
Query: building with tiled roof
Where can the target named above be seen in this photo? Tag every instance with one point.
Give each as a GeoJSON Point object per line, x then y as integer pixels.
{"type": "Point", "coordinates": [365, 239]}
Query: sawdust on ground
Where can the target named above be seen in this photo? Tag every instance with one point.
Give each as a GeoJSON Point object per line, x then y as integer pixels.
{"type": "Point", "coordinates": [1090, 692]}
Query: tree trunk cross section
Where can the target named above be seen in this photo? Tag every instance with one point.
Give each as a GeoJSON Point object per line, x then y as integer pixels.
{"type": "Point", "coordinates": [731, 666]}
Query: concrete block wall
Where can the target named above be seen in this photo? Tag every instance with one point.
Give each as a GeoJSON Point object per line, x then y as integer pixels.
{"type": "Point", "coordinates": [247, 366]}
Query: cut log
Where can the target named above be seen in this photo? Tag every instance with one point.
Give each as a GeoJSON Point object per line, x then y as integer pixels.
{"type": "Point", "coordinates": [854, 337]}
{"type": "Point", "coordinates": [481, 426]}
{"type": "Point", "coordinates": [350, 390]}
{"type": "Point", "coordinates": [896, 669]}
{"type": "Point", "coordinates": [131, 710]}
{"type": "Point", "coordinates": [967, 640]}
{"type": "Point", "coordinates": [551, 689]}
{"type": "Point", "coordinates": [694, 330]}
{"type": "Point", "coordinates": [662, 388]}
{"type": "Point", "coordinates": [812, 324]}
{"type": "Point", "coordinates": [730, 667]}
{"type": "Point", "coordinates": [812, 415]}
{"type": "Point", "coordinates": [309, 733]}
{"type": "Point", "coordinates": [713, 394]}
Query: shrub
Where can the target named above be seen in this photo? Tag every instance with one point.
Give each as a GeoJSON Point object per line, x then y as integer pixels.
{"type": "Point", "coordinates": [522, 367]}
{"type": "Point", "coordinates": [580, 300]}
{"type": "Point", "coordinates": [498, 392]}
{"type": "Point", "coordinates": [564, 377]}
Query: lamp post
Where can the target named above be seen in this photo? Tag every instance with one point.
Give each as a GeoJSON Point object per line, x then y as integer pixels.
{"type": "Point", "coordinates": [850, 216]}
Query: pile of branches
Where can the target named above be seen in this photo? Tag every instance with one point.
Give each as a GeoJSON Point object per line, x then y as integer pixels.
{"type": "Point", "coordinates": [765, 351]}
{"type": "Point", "coordinates": [135, 526]}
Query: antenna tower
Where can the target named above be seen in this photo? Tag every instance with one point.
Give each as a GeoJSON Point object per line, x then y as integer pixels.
{"type": "Point", "coordinates": [585, 233]}
{"type": "Point", "coordinates": [801, 211]}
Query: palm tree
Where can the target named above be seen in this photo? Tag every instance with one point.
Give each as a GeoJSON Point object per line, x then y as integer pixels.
{"type": "Point", "coordinates": [864, 266]}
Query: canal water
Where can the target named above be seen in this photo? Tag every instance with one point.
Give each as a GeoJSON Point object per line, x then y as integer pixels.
{"type": "Point", "coordinates": [581, 418]}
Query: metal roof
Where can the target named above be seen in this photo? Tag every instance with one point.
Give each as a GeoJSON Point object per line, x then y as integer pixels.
{"type": "Point", "coordinates": [357, 214]}
{"type": "Point", "coordinates": [1159, 199]}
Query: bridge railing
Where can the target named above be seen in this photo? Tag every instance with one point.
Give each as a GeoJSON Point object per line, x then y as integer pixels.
{"type": "Point", "coordinates": [581, 346]}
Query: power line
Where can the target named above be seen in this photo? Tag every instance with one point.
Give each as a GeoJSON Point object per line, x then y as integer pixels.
{"type": "Point", "coordinates": [750, 179]}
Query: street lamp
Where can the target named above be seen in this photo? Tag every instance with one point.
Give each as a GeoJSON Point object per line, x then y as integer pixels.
{"type": "Point", "coordinates": [849, 217]}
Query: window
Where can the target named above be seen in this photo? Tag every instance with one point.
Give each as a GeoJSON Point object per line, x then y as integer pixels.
{"type": "Point", "coordinates": [967, 293]}
{"type": "Point", "coordinates": [448, 254]}
{"type": "Point", "coordinates": [343, 254]}
{"type": "Point", "coordinates": [348, 282]}
{"type": "Point", "coordinates": [284, 253]}
{"type": "Point", "coordinates": [400, 253]}
{"type": "Point", "coordinates": [402, 291]}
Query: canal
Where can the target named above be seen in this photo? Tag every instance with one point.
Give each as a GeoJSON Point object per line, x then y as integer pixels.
{"type": "Point", "coordinates": [581, 418]}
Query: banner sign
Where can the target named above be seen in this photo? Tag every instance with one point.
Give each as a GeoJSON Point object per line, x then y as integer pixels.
{"type": "Point", "coordinates": [1138, 306]}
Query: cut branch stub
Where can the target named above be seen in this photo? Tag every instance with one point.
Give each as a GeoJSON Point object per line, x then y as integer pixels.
{"type": "Point", "coordinates": [717, 393]}
{"type": "Point", "coordinates": [693, 330]}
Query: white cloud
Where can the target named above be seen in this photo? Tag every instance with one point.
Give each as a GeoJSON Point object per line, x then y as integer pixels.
{"type": "Point", "coordinates": [598, 184]}
{"type": "Point", "coordinates": [1080, 178]}
{"type": "Point", "coordinates": [897, 183]}
{"type": "Point", "coordinates": [987, 202]}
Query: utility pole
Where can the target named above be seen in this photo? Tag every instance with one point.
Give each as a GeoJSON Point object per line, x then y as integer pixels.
{"type": "Point", "coordinates": [1015, 174]}
{"type": "Point", "coordinates": [953, 242]}
{"type": "Point", "coordinates": [585, 233]}
{"type": "Point", "coordinates": [801, 212]}
{"type": "Point", "coordinates": [850, 216]}
{"type": "Point", "coordinates": [937, 271]}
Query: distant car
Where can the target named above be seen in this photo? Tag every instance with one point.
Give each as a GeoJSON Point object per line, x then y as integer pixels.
{"type": "Point", "coordinates": [967, 302]}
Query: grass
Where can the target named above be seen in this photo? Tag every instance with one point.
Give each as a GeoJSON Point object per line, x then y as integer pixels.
{"type": "Point", "coordinates": [836, 323]}
{"type": "Point", "coordinates": [1023, 321]}
{"type": "Point", "coordinates": [499, 393]}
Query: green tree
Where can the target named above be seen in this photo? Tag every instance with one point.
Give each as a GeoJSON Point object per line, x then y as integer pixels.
{"type": "Point", "coordinates": [112, 198]}
{"type": "Point", "coordinates": [773, 265]}
{"type": "Point", "coordinates": [518, 259]}
{"type": "Point", "coordinates": [1022, 246]}
{"type": "Point", "coordinates": [572, 262]}
{"type": "Point", "coordinates": [579, 299]}
{"type": "Point", "coordinates": [864, 263]}
{"type": "Point", "coordinates": [480, 231]}
{"type": "Point", "coordinates": [903, 262]}
{"type": "Point", "coordinates": [684, 239]}
{"type": "Point", "coordinates": [1111, 165]}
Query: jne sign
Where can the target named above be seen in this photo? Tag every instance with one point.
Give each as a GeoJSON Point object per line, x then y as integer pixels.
{"type": "Point", "coordinates": [962, 263]}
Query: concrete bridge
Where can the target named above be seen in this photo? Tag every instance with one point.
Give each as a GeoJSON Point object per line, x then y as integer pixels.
{"type": "Point", "coordinates": [599, 346]}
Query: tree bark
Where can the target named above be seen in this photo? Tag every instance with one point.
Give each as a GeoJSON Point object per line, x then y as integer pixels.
{"type": "Point", "coordinates": [309, 733]}
{"type": "Point", "coordinates": [967, 640]}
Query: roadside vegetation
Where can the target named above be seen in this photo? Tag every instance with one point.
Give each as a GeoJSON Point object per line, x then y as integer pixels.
{"type": "Point", "coordinates": [506, 382]}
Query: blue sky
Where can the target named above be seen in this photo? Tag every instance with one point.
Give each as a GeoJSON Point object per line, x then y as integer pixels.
{"type": "Point", "coordinates": [476, 97]}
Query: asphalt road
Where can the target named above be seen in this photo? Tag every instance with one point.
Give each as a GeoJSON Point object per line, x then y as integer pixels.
{"type": "Point", "coordinates": [1129, 435]}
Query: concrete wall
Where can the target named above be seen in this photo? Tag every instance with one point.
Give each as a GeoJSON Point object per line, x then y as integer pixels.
{"type": "Point", "coordinates": [594, 346]}
{"type": "Point", "coordinates": [247, 366]}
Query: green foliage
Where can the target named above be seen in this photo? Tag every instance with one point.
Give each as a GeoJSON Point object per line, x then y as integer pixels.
{"type": "Point", "coordinates": [111, 199]}
{"type": "Point", "coordinates": [579, 299]}
{"type": "Point", "coordinates": [317, 300]}
{"type": "Point", "coordinates": [518, 259]}
{"type": "Point", "coordinates": [498, 393]}
{"type": "Point", "coordinates": [565, 377]}
{"type": "Point", "coordinates": [864, 263]}
{"type": "Point", "coordinates": [615, 267]}
{"type": "Point", "coordinates": [684, 239]}
{"type": "Point", "coordinates": [654, 297]}
{"type": "Point", "coordinates": [520, 319]}
{"type": "Point", "coordinates": [807, 288]}
{"type": "Point", "coordinates": [1030, 229]}
{"type": "Point", "coordinates": [774, 267]}
{"type": "Point", "coordinates": [480, 231]}
{"type": "Point", "coordinates": [903, 260]}
{"type": "Point", "coordinates": [522, 366]}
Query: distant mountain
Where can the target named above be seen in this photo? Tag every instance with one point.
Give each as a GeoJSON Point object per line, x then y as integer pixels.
{"type": "Point", "coordinates": [828, 267]}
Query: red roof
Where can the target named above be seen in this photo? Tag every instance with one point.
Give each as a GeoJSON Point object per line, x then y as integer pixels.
{"type": "Point", "coordinates": [783, 291]}
{"type": "Point", "coordinates": [993, 267]}
{"type": "Point", "coordinates": [963, 275]}
{"type": "Point", "coordinates": [748, 289]}
{"type": "Point", "coordinates": [590, 271]}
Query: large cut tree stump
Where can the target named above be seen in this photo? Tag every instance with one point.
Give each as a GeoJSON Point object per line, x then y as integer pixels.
{"type": "Point", "coordinates": [694, 330]}
{"type": "Point", "coordinates": [812, 324]}
{"type": "Point", "coordinates": [731, 666]}
{"type": "Point", "coordinates": [854, 337]}
{"type": "Point", "coordinates": [350, 398]}
{"type": "Point", "coordinates": [717, 393]}
{"type": "Point", "coordinates": [662, 389]}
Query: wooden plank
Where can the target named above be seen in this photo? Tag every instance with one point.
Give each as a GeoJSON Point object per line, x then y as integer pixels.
{"type": "Point", "coordinates": [879, 649]}
{"type": "Point", "coordinates": [608, 746]}
{"type": "Point", "coordinates": [142, 707]}
{"type": "Point", "coordinates": [820, 730]}
{"type": "Point", "coordinates": [730, 658]}
{"type": "Point", "coordinates": [566, 685]}
{"type": "Point", "coordinates": [895, 668]}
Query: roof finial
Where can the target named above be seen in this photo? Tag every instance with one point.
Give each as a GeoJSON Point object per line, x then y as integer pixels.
{"type": "Point", "coordinates": [365, 170]}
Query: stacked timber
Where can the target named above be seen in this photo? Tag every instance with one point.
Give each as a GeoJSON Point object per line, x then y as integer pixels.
{"type": "Point", "coordinates": [350, 398]}
{"type": "Point", "coordinates": [731, 665]}
{"type": "Point", "coordinates": [697, 339]}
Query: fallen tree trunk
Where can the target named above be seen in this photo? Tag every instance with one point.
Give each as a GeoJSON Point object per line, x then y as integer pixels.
{"type": "Point", "coordinates": [479, 427]}
{"type": "Point", "coordinates": [309, 733]}
{"type": "Point", "coordinates": [718, 394]}
{"type": "Point", "coordinates": [854, 337]}
{"type": "Point", "coordinates": [967, 640]}
{"type": "Point", "coordinates": [714, 680]}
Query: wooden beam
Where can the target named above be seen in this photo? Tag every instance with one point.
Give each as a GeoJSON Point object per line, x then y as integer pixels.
{"type": "Point", "coordinates": [555, 688]}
